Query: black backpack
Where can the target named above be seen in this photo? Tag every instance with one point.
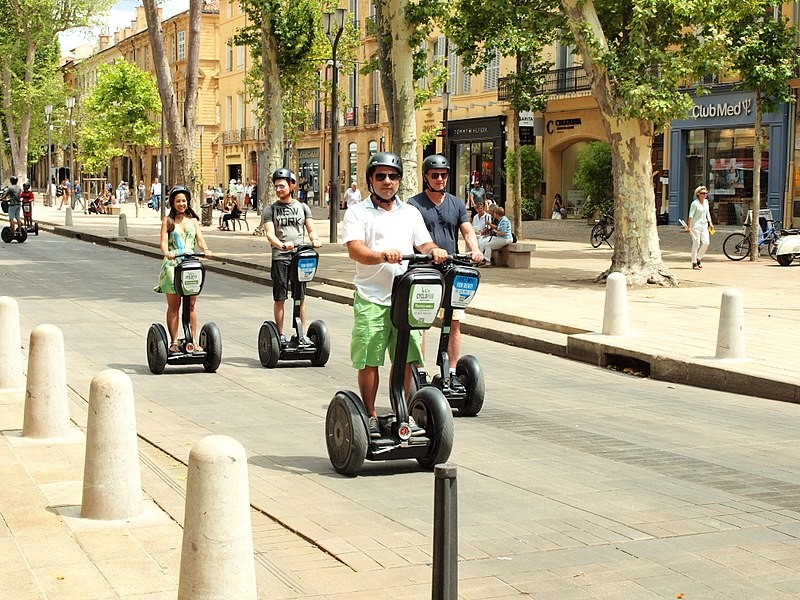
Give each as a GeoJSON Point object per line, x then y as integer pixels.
{"type": "Point", "coordinates": [59, 191]}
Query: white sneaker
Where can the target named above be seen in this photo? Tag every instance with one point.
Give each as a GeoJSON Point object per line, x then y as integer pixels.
{"type": "Point", "coordinates": [415, 429]}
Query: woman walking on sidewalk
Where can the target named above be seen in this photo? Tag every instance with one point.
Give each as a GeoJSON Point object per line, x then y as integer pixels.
{"type": "Point", "coordinates": [699, 226]}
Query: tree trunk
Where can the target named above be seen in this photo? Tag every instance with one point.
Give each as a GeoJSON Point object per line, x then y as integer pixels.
{"type": "Point", "coordinates": [755, 203]}
{"type": "Point", "coordinates": [396, 60]}
{"type": "Point", "coordinates": [18, 132]}
{"type": "Point", "coordinates": [273, 98]}
{"type": "Point", "coordinates": [637, 253]}
{"type": "Point", "coordinates": [180, 127]}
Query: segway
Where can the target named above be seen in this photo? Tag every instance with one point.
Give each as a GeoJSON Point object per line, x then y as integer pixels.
{"type": "Point", "coordinates": [189, 279]}
{"type": "Point", "coordinates": [461, 282]}
{"type": "Point", "coordinates": [20, 234]}
{"type": "Point", "coordinates": [315, 347]}
{"type": "Point", "coordinates": [416, 298]}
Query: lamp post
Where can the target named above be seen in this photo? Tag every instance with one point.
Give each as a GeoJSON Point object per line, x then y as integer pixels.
{"type": "Point", "coordinates": [70, 105]}
{"type": "Point", "coordinates": [200, 131]}
{"type": "Point", "coordinates": [334, 26]}
{"type": "Point", "coordinates": [48, 110]}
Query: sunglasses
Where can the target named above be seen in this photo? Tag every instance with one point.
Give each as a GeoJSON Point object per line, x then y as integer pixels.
{"type": "Point", "coordinates": [281, 187]}
{"type": "Point", "coordinates": [438, 175]}
{"type": "Point", "coordinates": [390, 176]}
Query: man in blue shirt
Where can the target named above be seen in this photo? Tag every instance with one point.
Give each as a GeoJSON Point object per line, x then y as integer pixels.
{"type": "Point", "coordinates": [445, 216]}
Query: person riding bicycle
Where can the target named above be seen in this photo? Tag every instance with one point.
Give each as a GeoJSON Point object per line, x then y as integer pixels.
{"type": "Point", "coordinates": [13, 195]}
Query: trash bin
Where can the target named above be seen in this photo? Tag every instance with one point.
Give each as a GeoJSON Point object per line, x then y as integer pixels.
{"type": "Point", "coordinates": [207, 217]}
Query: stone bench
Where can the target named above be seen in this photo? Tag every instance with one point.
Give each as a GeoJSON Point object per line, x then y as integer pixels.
{"type": "Point", "coordinates": [112, 210]}
{"type": "Point", "coordinates": [516, 255]}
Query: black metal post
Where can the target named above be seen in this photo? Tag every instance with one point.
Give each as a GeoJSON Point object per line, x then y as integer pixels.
{"type": "Point", "coordinates": [336, 19]}
{"type": "Point", "coordinates": [445, 533]}
{"type": "Point", "coordinates": [162, 179]}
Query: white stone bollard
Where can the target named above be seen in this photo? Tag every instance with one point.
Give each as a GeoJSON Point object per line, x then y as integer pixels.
{"type": "Point", "coordinates": [730, 335]}
{"type": "Point", "coordinates": [11, 377]}
{"type": "Point", "coordinates": [68, 217]}
{"type": "Point", "coordinates": [112, 484]}
{"type": "Point", "coordinates": [123, 225]}
{"type": "Point", "coordinates": [46, 401]}
{"type": "Point", "coordinates": [615, 314]}
{"type": "Point", "coordinates": [217, 554]}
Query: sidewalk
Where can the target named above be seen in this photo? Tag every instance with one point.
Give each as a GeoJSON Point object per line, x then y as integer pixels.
{"type": "Point", "coordinates": [555, 306]}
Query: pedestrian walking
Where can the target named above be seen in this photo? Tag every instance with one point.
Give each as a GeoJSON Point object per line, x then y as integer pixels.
{"type": "Point", "coordinates": [699, 226]}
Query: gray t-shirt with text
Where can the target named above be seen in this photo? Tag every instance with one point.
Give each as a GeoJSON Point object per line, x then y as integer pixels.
{"type": "Point", "coordinates": [289, 222]}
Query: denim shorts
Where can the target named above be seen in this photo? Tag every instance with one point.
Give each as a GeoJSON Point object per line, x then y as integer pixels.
{"type": "Point", "coordinates": [374, 334]}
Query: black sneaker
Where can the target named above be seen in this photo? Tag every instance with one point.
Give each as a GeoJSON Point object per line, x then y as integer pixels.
{"type": "Point", "coordinates": [374, 428]}
{"type": "Point", "coordinates": [455, 384]}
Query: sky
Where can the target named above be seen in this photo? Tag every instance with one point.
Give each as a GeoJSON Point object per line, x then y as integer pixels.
{"type": "Point", "coordinates": [120, 16]}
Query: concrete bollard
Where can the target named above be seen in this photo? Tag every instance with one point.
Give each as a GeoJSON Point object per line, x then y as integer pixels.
{"type": "Point", "coordinates": [123, 225]}
{"type": "Point", "coordinates": [615, 314]}
{"type": "Point", "coordinates": [10, 345]}
{"type": "Point", "coordinates": [217, 554]}
{"type": "Point", "coordinates": [730, 335]}
{"type": "Point", "coordinates": [46, 402]}
{"type": "Point", "coordinates": [112, 484]}
{"type": "Point", "coordinates": [68, 217]}
{"type": "Point", "coordinates": [445, 533]}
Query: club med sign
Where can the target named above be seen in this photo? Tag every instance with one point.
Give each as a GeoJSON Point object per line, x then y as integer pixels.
{"type": "Point", "coordinates": [722, 109]}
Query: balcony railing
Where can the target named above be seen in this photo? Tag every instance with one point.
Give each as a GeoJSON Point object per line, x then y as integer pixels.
{"type": "Point", "coordinates": [233, 136]}
{"type": "Point", "coordinates": [249, 133]}
{"type": "Point", "coordinates": [356, 24]}
{"type": "Point", "coordinates": [566, 81]}
{"type": "Point", "coordinates": [371, 114]}
{"type": "Point", "coordinates": [351, 116]}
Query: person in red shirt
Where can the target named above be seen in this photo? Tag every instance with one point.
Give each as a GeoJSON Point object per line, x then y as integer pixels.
{"type": "Point", "coordinates": [26, 196]}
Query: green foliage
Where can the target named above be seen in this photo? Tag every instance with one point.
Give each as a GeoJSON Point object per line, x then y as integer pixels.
{"type": "Point", "coordinates": [531, 209]}
{"type": "Point", "coordinates": [765, 56]}
{"type": "Point", "coordinates": [118, 113]}
{"type": "Point", "coordinates": [531, 170]}
{"type": "Point", "coordinates": [593, 177]}
{"type": "Point", "coordinates": [518, 28]}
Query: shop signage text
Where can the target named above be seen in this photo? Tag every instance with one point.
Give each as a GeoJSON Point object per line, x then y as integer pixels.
{"type": "Point", "coordinates": [562, 125]}
{"type": "Point", "coordinates": [721, 109]}
{"type": "Point", "coordinates": [306, 153]}
{"type": "Point", "coordinates": [458, 131]}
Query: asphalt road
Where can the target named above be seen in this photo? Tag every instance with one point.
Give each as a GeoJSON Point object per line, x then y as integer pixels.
{"type": "Point", "coordinates": [574, 481]}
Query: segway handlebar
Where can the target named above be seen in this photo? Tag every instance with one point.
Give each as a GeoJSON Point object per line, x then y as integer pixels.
{"type": "Point", "coordinates": [463, 258]}
{"type": "Point", "coordinates": [190, 255]}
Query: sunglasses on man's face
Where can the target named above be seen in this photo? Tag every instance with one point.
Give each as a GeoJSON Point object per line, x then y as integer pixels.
{"type": "Point", "coordinates": [438, 175]}
{"type": "Point", "coordinates": [390, 176]}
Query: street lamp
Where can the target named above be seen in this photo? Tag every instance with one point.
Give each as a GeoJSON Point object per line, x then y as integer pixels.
{"type": "Point", "coordinates": [70, 105]}
{"type": "Point", "coordinates": [200, 131]}
{"type": "Point", "coordinates": [334, 26]}
{"type": "Point", "coordinates": [48, 110]}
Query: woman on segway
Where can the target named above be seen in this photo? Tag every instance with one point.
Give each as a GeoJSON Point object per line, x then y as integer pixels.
{"type": "Point", "coordinates": [180, 233]}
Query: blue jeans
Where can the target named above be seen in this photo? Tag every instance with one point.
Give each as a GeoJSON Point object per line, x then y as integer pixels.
{"type": "Point", "coordinates": [156, 200]}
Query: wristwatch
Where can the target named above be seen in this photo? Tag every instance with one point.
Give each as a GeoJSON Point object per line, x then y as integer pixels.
{"type": "Point", "coordinates": [283, 246]}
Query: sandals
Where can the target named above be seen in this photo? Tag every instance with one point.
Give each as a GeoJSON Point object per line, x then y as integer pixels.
{"type": "Point", "coordinates": [175, 348]}
{"type": "Point", "coordinates": [198, 348]}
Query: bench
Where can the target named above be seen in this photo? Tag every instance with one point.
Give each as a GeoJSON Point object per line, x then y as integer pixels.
{"type": "Point", "coordinates": [516, 255]}
{"type": "Point", "coordinates": [112, 210]}
{"type": "Point", "coordinates": [242, 218]}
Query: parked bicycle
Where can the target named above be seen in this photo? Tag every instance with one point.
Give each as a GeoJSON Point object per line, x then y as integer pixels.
{"type": "Point", "coordinates": [602, 231]}
{"type": "Point", "coordinates": [737, 245]}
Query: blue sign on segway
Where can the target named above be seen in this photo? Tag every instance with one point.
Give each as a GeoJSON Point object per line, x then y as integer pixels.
{"type": "Point", "coordinates": [464, 288]}
{"type": "Point", "coordinates": [306, 268]}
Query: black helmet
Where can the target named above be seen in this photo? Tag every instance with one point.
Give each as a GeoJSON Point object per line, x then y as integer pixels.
{"type": "Point", "coordinates": [284, 173]}
{"type": "Point", "coordinates": [384, 159]}
{"type": "Point", "coordinates": [13, 179]}
{"type": "Point", "coordinates": [179, 189]}
{"type": "Point", "coordinates": [26, 186]}
{"type": "Point", "coordinates": [434, 161]}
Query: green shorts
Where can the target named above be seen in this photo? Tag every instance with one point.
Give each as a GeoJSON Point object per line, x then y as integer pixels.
{"type": "Point", "coordinates": [373, 334]}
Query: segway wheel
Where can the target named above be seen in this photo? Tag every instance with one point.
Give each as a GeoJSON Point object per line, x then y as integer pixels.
{"type": "Point", "coordinates": [22, 235]}
{"type": "Point", "coordinates": [432, 412]}
{"type": "Point", "coordinates": [468, 370]}
{"type": "Point", "coordinates": [211, 342]}
{"type": "Point", "coordinates": [318, 333]}
{"type": "Point", "coordinates": [7, 235]}
{"type": "Point", "coordinates": [157, 348]}
{"type": "Point", "coordinates": [345, 435]}
{"type": "Point", "coordinates": [36, 228]}
{"type": "Point", "coordinates": [784, 260]}
{"type": "Point", "coordinates": [269, 345]}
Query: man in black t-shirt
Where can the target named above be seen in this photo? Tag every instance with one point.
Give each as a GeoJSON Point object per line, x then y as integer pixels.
{"type": "Point", "coordinates": [445, 216]}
